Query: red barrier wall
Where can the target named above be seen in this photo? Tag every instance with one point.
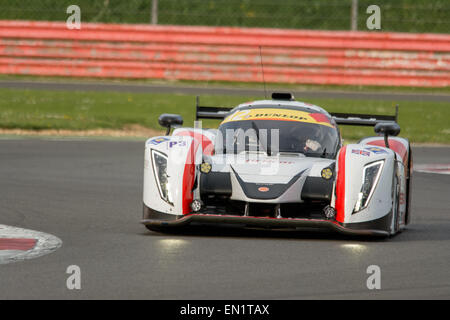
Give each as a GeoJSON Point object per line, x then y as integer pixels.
{"type": "Point", "coordinates": [223, 53]}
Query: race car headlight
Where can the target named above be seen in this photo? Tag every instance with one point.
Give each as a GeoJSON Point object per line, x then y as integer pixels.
{"type": "Point", "coordinates": [160, 171]}
{"type": "Point", "coordinates": [371, 175]}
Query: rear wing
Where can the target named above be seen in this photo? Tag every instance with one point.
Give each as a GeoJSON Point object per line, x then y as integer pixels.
{"type": "Point", "coordinates": [351, 119]}
{"type": "Point", "coordinates": [205, 112]}
{"type": "Point", "coordinates": [357, 119]}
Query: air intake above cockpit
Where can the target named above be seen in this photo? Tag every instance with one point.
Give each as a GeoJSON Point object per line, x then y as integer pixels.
{"type": "Point", "coordinates": [287, 96]}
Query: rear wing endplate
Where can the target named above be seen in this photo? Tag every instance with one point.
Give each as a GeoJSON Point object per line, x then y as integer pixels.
{"type": "Point", "coordinates": [357, 119]}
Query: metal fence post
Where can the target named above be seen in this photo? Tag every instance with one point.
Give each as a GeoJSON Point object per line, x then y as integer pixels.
{"type": "Point", "coordinates": [354, 15]}
{"type": "Point", "coordinates": [154, 12]}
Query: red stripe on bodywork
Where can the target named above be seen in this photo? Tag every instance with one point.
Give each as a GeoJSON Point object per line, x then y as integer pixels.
{"type": "Point", "coordinates": [207, 145]}
{"type": "Point", "coordinates": [17, 244]}
{"type": "Point", "coordinates": [189, 177]}
{"type": "Point", "coordinates": [340, 186]}
{"type": "Point", "coordinates": [395, 145]}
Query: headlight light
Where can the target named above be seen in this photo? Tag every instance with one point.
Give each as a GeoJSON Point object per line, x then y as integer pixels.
{"type": "Point", "coordinates": [371, 175]}
{"type": "Point", "coordinates": [160, 171]}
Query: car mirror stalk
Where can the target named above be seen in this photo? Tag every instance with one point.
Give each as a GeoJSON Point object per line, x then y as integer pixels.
{"type": "Point", "coordinates": [387, 129]}
{"type": "Point", "coordinates": [169, 120]}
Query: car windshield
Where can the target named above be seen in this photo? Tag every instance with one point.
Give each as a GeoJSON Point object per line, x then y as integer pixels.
{"type": "Point", "coordinates": [278, 130]}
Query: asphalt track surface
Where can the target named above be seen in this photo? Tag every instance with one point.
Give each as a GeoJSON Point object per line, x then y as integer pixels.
{"type": "Point", "coordinates": [88, 193]}
{"type": "Point", "coordinates": [216, 90]}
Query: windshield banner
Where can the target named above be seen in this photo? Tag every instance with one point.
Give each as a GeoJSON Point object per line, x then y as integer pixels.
{"type": "Point", "coordinates": [279, 115]}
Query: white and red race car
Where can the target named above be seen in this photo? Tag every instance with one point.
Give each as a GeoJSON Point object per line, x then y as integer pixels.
{"type": "Point", "coordinates": [278, 163]}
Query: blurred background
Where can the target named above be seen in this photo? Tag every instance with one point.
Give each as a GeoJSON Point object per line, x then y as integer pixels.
{"type": "Point", "coordinates": [148, 56]}
{"type": "Point", "coordinates": [400, 15]}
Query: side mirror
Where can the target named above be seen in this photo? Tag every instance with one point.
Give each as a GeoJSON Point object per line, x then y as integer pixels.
{"type": "Point", "coordinates": [169, 120]}
{"type": "Point", "coordinates": [387, 129]}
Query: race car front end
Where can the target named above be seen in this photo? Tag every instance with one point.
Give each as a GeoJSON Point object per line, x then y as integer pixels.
{"type": "Point", "coordinates": [303, 192]}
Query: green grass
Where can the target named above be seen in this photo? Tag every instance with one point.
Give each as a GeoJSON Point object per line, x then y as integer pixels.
{"type": "Point", "coordinates": [37, 110]}
{"type": "Point", "coordinates": [399, 15]}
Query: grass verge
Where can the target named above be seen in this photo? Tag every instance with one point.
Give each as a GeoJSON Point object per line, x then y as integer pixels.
{"type": "Point", "coordinates": [421, 122]}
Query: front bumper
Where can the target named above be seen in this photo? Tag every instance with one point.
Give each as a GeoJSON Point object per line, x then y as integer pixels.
{"type": "Point", "coordinates": [158, 219]}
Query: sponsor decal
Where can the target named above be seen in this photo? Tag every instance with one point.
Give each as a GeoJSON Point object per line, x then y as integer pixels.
{"type": "Point", "coordinates": [263, 189]}
{"type": "Point", "coordinates": [376, 150]}
{"type": "Point", "coordinates": [177, 143]}
{"type": "Point", "coordinates": [207, 145]}
{"type": "Point", "coordinates": [361, 152]}
{"type": "Point", "coordinates": [268, 161]}
{"type": "Point", "coordinates": [279, 115]}
{"type": "Point", "coordinates": [158, 140]}
{"type": "Point", "coordinates": [327, 173]}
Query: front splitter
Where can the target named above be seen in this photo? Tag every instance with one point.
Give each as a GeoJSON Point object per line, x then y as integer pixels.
{"type": "Point", "coordinates": [263, 222]}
